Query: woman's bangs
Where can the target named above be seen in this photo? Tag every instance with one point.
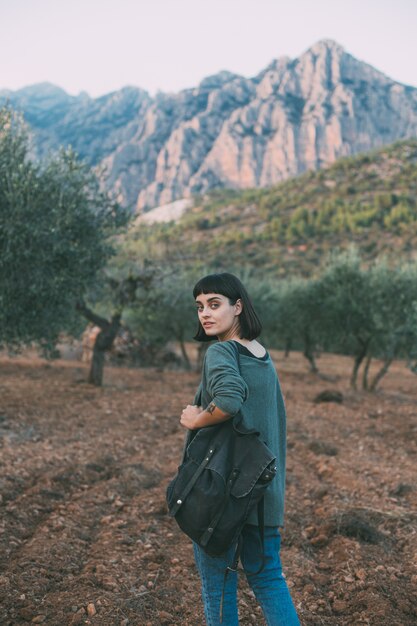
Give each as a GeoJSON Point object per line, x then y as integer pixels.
{"type": "Point", "coordinates": [213, 283]}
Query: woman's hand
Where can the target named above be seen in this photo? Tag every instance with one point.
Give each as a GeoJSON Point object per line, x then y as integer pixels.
{"type": "Point", "coordinates": [189, 416]}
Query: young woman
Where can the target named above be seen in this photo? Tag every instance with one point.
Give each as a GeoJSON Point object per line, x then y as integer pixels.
{"type": "Point", "coordinates": [226, 313]}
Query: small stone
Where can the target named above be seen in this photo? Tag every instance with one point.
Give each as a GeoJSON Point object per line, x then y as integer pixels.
{"type": "Point", "coordinates": [320, 492]}
{"type": "Point", "coordinates": [39, 619]}
{"type": "Point", "coordinates": [320, 511]}
{"type": "Point", "coordinates": [153, 567]}
{"type": "Point", "coordinates": [77, 619]}
{"type": "Point", "coordinates": [26, 613]}
{"type": "Point", "coordinates": [329, 395]}
{"type": "Point", "coordinates": [339, 606]}
{"type": "Point", "coordinates": [109, 583]}
{"type": "Point", "coordinates": [322, 579]}
{"type": "Point", "coordinates": [91, 609]}
{"type": "Point", "coordinates": [360, 573]}
{"type": "Point", "coordinates": [319, 540]}
{"type": "Point", "coordinates": [309, 588]}
{"type": "Point", "coordinates": [348, 579]}
{"type": "Point", "coordinates": [324, 470]}
{"type": "Point", "coordinates": [322, 447]}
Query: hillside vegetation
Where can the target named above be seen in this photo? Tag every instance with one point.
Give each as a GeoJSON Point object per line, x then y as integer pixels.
{"type": "Point", "coordinates": [369, 200]}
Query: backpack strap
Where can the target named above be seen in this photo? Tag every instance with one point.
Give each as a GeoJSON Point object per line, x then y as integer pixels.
{"type": "Point", "coordinates": [235, 562]}
{"type": "Point", "coordinates": [207, 535]}
{"type": "Point", "coordinates": [261, 526]}
{"type": "Point", "coordinates": [192, 481]}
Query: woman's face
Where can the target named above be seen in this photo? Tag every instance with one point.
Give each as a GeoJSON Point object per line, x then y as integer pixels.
{"type": "Point", "coordinates": [217, 316]}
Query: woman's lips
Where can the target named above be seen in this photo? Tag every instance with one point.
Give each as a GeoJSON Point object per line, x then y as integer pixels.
{"type": "Point", "coordinates": [207, 324]}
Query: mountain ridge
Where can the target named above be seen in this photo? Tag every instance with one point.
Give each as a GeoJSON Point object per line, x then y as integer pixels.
{"type": "Point", "coordinates": [229, 131]}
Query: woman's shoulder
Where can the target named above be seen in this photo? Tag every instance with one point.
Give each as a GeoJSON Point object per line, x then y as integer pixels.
{"type": "Point", "coordinates": [222, 350]}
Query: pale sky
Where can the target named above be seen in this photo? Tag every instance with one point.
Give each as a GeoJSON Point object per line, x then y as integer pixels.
{"type": "Point", "coordinates": [99, 46]}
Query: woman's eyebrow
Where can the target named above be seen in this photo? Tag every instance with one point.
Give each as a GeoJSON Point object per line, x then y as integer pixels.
{"type": "Point", "coordinates": [209, 300]}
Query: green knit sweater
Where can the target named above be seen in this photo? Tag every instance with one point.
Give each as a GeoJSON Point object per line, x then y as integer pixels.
{"type": "Point", "coordinates": [254, 390]}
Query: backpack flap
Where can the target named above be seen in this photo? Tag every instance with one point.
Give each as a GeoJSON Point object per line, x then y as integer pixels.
{"type": "Point", "coordinates": [210, 437]}
{"type": "Point", "coordinates": [255, 463]}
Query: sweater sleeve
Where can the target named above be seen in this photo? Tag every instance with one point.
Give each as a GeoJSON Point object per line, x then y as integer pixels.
{"type": "Point", "coordinates": [225, 385]}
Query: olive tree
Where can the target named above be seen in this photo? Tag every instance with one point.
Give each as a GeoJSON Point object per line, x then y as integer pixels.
{"type": "Point", "coordinates": [297, 317]}
{"type": "Point", "coordinates": [345, 293]}
{"type": "Point", "coordinates": [55, 223]}
{"type": "Point", "coordinates": [392, 311]}
{"type": "Point", "coordinates": [167, 312]}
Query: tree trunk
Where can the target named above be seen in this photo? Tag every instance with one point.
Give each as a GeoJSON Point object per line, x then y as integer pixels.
{"type": "Point", "coordinates": [185, 355]}
{"type": "Point", "coordinates": [103, 342]}
{"type": "Point", "coordinates": [201, 351]}
{"type": "Point", "coordinates": [309, 354]}
{"type": "Point", "coordinates": [379, 375]}
{"type": "Point", "coordinates": [288, 345]}
{"type": "Point", "coordinates": [366, 372]}
{"type": "Point", "coordinates": [95, 377]}
{"type": "Point", "coordinates": [357, 363]}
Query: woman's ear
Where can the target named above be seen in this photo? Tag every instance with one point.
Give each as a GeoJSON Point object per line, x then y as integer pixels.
{"type": "Point", "coordinates": [239, 306]}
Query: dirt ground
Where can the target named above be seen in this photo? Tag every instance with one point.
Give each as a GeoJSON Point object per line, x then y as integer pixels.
{"type": "Point", "coordinates": [84, 533]}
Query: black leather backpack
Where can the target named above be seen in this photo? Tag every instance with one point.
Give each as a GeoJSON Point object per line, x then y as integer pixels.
{"type": "Point", "coordinates": [223, 477]}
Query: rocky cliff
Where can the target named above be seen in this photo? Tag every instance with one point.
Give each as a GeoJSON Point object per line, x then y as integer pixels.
{"type": "Point", "coordinates": [230, 131]}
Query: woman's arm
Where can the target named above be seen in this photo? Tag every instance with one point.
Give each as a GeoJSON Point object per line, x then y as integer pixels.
{"type": "Point", "coordinates": [194, 417]}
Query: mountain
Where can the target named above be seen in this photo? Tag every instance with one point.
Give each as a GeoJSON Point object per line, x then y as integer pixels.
{"type": "Point", "coordinates": [228, 132]}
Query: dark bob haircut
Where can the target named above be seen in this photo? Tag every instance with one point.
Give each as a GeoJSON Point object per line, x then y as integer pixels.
{"type": "Point", "coordinates": [231, 287]}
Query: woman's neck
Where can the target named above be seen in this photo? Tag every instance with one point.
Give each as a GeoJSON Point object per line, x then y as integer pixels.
{"type": "Point", "coordinates": [232, 334]}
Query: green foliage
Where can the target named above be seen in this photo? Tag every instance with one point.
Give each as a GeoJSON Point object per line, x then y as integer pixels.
{"type": "Point", "coordinates": [167, 312]}
{"type": "Point", "coordinates": [345, 289]}
{"type": "Point", "coordinates": [55, 224]}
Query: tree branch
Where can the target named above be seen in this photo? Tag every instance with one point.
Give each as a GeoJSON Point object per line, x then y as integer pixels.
{"type": "Point", "coordinates": [101, 322]}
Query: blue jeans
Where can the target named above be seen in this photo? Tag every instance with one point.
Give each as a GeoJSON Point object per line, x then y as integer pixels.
{"type": "Point", "coordinates": [269, 585]}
